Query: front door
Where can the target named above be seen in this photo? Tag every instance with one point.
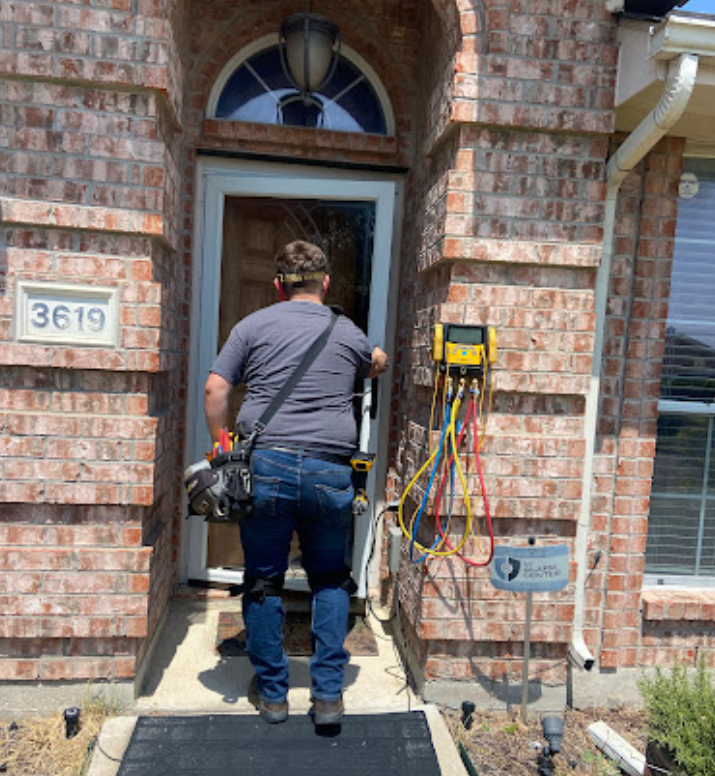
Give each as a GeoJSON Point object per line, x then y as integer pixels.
{"type": "Point", "coordinates": [250, 211]}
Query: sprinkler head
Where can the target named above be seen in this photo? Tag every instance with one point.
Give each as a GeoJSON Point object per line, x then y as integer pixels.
{"type": "Point", "coordinates": [553, 728]}
{"type": "Point", "coordinates": [468, 709]}
{"type": "Point", "coordinates": [71, 716]}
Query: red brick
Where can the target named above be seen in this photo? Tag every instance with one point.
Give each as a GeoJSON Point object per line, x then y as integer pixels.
{"type": "Point", "coordinates": [113, 560]}
{"type": "Point", "coordinates": [609, 658]}
{"type": "Point", "coordinates": [56, 669]}
{"type": "Point", "coordinates": [138, 583]}
{"type": "Point", "coordinates": [30, 558]}
{"type": "Point", "coordinates": [133, 627]}
{"type": "Point", "coordinates": [124, 667]}
{"type": "Point", "coordinates": [71, 583]}
{"type": "Point", "coordinates": [13, 670]}
{"type": "Point", "coordinates": [18, 627]}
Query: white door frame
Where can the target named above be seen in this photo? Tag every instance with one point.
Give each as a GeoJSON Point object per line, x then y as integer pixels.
{"type": "Point", "coordinates": [219, 178]}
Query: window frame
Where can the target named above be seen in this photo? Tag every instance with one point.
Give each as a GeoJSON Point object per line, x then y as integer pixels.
{"type": "Point", "coordinates": [654, 579]}
{"type": "Point", "coordinates": [269, 41]}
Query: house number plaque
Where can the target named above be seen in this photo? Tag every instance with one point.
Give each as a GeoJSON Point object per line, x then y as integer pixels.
{"type": "Point", "coordinates": [68, 315]}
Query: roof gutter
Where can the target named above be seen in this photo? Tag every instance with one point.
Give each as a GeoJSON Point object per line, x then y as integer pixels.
{"type": "Point", "coordinates": [682, 72]}
{"type": "Point", "coordinates": [681, 34]}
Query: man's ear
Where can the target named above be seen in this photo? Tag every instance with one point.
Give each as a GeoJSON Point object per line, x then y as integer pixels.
{"type": "Point", "coordinates": [325, 285]}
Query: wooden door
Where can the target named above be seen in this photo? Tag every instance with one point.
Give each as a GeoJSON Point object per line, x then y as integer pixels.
{"type": "Point", "coordinates": [254, 230]}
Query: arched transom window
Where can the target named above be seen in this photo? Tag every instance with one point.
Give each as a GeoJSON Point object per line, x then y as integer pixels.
{"type": "Point", "coordinates": [253, 87]}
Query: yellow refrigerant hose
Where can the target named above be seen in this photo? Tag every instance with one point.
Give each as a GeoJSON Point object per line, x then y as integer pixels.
{"type": "Point", "coordinates": [415, 518]}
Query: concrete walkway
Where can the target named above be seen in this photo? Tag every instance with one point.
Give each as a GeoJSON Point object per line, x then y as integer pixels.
{"type": "Point", "coordinates": [187, 673]}
{"type": "Point", "coordinates": [188, 676]}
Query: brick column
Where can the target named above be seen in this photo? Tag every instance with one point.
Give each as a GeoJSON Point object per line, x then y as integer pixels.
{"type": "Point", "coordinates": [510, 215]}
{"type": "Point", "coordinates": [633, 355]}
{"type": "Point", "coordinates": [91, 103]}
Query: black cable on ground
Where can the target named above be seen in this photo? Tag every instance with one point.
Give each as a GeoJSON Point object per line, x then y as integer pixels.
{"type": "Point", "coordinates": [375, 522]}
{"type": "Point", "coordinates": [409, 680]}
{"type": "Point", "coordinates": [466, 759]}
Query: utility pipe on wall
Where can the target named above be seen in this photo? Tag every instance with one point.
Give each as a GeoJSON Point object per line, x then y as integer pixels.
{"type": "Point", "coordinates": [682, 72]}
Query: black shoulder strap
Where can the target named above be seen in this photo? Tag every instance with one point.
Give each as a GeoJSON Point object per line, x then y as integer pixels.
{"type": "Point", "coordinates": [310, 356]}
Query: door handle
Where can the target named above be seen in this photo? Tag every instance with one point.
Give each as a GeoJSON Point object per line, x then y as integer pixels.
{"type": "Point", "coordinates": [374, 393]}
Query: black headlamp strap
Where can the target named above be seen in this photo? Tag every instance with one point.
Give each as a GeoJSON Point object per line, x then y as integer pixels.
{"type": "Point", "coordinates": [310, 356]}
{"type": "Point", "coordinates": [292, 279]}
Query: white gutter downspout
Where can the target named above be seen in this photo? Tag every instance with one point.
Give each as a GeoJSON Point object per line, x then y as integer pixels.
{"type": "Point", "coordinates": [682, 72]}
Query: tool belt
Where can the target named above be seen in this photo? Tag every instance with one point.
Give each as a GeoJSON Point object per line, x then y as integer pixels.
{"type": "Point", "coordinates": [221, 490]}
{"type": "Point", "coordinates": [236, 468]}
{"type": "Point", "coordinates": [238, 471]}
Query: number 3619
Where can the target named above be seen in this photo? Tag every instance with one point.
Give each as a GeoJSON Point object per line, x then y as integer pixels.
{"type": "Point", "coordinates": [78, 317]}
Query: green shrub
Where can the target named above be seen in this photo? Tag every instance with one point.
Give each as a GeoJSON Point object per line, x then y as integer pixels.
{"type": "Point", "coordinates": [680, 709]}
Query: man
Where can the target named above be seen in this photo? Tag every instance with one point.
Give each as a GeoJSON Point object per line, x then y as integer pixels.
{"type": "Point", "coordinates": [302, 474]}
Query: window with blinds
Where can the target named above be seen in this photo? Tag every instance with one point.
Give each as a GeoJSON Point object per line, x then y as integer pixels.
{"type": "Point", "coordinates": [681, 526]}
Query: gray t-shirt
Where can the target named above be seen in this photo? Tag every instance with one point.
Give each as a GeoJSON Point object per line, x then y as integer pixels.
{"type": "Point", "coordinates": [263, 350]}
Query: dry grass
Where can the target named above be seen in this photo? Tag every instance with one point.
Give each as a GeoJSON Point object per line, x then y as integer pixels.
{"type": "Point", "coordinates": [498, 744]}
{"type": "Point", "coordinates": [38, 746]}
{"type": "Point", "coordinates": [501, 745]}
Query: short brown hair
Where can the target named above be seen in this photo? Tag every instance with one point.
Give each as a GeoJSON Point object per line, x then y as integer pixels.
{"type": "Point", "coordinates": [302, 258]}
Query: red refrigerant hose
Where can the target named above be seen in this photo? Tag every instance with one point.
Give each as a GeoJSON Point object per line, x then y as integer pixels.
{"type": "Point", "coordinates": [471, 408]}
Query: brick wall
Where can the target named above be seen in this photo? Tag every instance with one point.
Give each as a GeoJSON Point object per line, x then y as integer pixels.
{"type": "Point", "coordinates": [651, 627]}
{"type": "Point", "coordinates": [510, 226]}
{"type": "Point", "coordinates": [75, 603]}
{"type": "Point", "coordinates": [91, 97]}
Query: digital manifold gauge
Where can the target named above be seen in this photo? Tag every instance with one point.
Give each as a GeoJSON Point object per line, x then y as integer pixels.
{"type": "Point", "coordinates": [467, 349]}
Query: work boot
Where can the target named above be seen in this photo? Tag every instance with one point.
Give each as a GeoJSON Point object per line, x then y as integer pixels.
{"type": "Point", "coordinates": [272, 712]}
{"type": "Point", "coordinates": [327, 712]}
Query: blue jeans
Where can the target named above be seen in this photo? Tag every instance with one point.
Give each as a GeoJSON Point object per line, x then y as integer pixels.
{"type": "Point", "coordinates": [313, 497]}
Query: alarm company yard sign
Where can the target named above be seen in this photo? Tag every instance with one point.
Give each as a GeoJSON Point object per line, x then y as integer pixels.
{"type": "Point", "coordinates": [531, 569]}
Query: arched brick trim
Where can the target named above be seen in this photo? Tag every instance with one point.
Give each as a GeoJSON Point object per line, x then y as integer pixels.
{"type": "Point", "coordinates": [260, 45]}
{"type": "Point", "coordinates": [387, 40]}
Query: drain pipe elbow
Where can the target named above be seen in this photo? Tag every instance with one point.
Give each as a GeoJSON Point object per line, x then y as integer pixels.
{"type": "Point", "coordinates": [676, 94]}
{"type": "Point", "coordinates": [678, 89]}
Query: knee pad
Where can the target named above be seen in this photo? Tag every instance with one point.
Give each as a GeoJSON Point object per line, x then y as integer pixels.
{"type": "Point", "coordinates": [341, 578]}
{"type": "Point", "coordinates": [258, 589]}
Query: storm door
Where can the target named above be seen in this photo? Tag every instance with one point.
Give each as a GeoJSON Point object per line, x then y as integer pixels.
{"type": "Point", "coordinates": [248, 214]}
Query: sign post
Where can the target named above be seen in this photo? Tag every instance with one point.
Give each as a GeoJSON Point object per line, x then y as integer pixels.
{"type": "Point", "coordinates": [527, 657]}
{"type": "Point", "coordinates": [530, 570]}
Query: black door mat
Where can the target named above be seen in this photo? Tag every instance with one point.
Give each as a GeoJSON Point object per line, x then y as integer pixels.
{"type": "Point", "coordinates": [231, 635]}
{"type": "Point", "coordinates": [367, 745]}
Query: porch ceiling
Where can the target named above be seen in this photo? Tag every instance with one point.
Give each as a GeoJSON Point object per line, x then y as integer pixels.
{"type": "Point", "coordinates": [645, 51]}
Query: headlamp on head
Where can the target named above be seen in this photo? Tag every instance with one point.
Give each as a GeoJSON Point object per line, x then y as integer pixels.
{"type": "Point", "coordinates": [293, 279]}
